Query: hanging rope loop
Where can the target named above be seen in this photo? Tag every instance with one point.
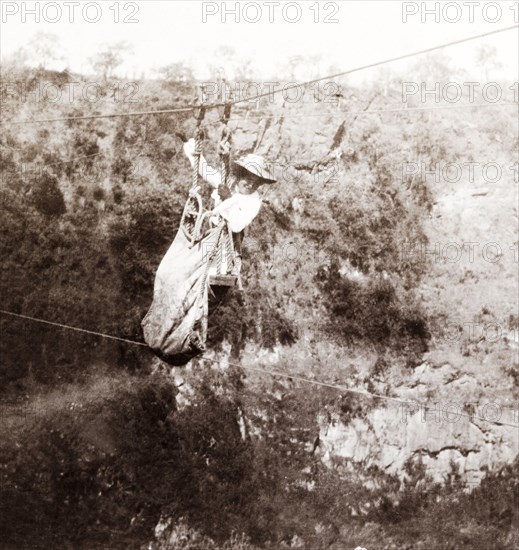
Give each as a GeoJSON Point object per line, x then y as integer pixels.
{"type": "Point", "coordinates": [199, 135]}
{"type": "Point", "coordinates": [193, 209]}
{"type": "Point", "coordinates": [226, 253]}
{"type": "Point", "coordinates": [225, 144]}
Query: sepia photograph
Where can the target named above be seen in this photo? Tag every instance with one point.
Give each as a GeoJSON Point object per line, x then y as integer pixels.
{"type": "Point", "coordinates": [259, 281]}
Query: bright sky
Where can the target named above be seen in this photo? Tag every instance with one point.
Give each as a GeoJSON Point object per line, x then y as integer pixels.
{"type": "Point", "coordinates": [174, 30]}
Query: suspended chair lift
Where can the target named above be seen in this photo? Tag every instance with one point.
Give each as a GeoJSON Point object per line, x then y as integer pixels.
{"type": "Point", "coordinates": [196, 219]}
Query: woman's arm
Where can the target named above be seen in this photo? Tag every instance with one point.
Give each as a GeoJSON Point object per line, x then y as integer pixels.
{"type": "Point", "coordinates": [208, 173]}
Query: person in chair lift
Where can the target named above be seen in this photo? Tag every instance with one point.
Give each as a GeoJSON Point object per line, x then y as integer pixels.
{"type": "Point", "coordinates": [248, 173]}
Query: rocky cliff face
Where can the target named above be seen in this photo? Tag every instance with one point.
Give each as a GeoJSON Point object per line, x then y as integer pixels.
{"type": "Point", "coordinates": [437, 433]}
{"type": "Point", "coordinates": [469, 289]}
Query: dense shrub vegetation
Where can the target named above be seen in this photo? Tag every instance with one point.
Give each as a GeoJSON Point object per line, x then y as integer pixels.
{"type": "Point", "coordinates": [86, 477]}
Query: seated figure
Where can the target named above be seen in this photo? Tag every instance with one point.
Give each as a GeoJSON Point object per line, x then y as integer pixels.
{"type": "Point", "coordinates": [242, 202]}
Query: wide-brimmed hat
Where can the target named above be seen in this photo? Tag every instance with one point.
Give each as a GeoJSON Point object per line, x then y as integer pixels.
{"type": "Point", "coordinates": [257, 165]}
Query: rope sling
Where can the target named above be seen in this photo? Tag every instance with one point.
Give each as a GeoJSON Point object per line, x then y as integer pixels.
{"type": "Point", "coordinates": [195, 217]}
{"type": "Point", "coordinates": [224, 152]}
